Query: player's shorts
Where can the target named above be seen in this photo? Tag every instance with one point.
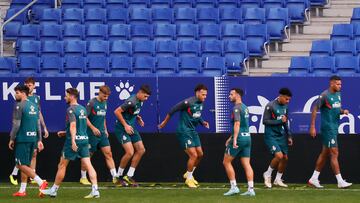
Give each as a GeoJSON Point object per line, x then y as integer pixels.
{"type": "Point", "coordinates": [123, 137]}
{"type": "Point", "coordinates": [24, 152]}
{"type": "Point", "coordinates": [82, 152]}
{"type": "Point", "coordinates": [243, 150]}
{"type": "Point", "coordinates": [97, 143]}
{"type": "Point", "coordinates": [188, 139]}
{"type": "Point", "coordinates": [329, 139]}
{"type": "Point", "coordinates": [277, 144]}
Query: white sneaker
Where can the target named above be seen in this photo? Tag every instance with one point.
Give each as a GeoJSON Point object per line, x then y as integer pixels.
{"type": "Point", "coordinates": [93, 194]}
{"type": "Point", "coordinates": [315, 183]}
{"type": "Point", "coordinates": [267, 181]}
{"type": "Point", "coordinates": [49, 192]}
{"type": "Point", "coordinates": [344, 184]}
{"type": "Point", "coordinates": [280, 183]}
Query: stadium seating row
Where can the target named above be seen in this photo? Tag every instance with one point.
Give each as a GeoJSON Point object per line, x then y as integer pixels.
{"type": "Point", "coordinates": [335, 47]}
{"type": "Point", "coordinates": [346, 31]}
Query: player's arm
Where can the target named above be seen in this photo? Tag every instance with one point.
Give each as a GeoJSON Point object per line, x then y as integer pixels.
{"type": "Point", "coordinates": [89, 107]}
{"type": "Point", "coordinates": [118, 113]}
{"type": "Point", "coordinates": [237, 119]}
{"type": "Point", "coordinates": [178, 107]}
{"type": "Point", "coordinates": [320, 101]}
{"type": "Point", "coordinates": [40, 143]}
{"type": "Point", "coordinates": [287, 130]}
{"type": "Point", "coordinates": [105, 128]}
{"type": "Point", "coordinates": [204, 123]}
{"type": "Point", "coordinates": [140, 120]}
{"type": "Point", "coordinates": [16, 122]}
{"type": "Point", "coordinates": [42, 121]}
{"type": "Point", "coordinates": [72, 121]}
{"type": "Point", "coordinates": [267, 120]}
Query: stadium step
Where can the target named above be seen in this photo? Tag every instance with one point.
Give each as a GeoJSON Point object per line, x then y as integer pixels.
{"type": "Point", "coordinates": [297, 46]}
{"type": "Point", "coordinates": [338, 12]}
{"type": "Point", "coordinates": [318, 29]}
{"type": "Point", "coordinates": [276, 64]}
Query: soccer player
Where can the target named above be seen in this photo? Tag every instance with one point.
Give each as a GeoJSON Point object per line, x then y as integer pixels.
{"type": "Point", "coordinates": [239, 144]}
{"type": "Point", "coordinates": [76, 144]}
{"type": "Point", "coordinates": [128, 136]}
{"type": "Point", "coordinates": [25, 136]}
{"type": "Point", "coordinates": [190, 116]}
{"type": "Point", "coordinates": [97, 132]}
{"type": "Point", "coordinates": [30, 83]}
{"type": "Point", "coordinates": [277, 136]}
{"type": "Point", "coordinates": [329, 103]}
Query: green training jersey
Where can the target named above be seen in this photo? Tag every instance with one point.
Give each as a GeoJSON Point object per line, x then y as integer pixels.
{"type": "Point", "coordinates": [240, 113]}
{"type": "Point", "coordinates": [77, 113]}
{"type": "Point", "coordinates": [274, 111]}
{"type": "Point", "coordinates": [131, 109]}
{"type": "Point", "coordinates": [28, 114]}
{"type": "Point", "coordinates": [96, 112]}
{"type": "Point", "coordinates": [330, 109]}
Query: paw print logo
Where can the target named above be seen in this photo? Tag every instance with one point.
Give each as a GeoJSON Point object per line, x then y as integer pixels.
{"type": "Point", "coordinates": [256, 118]}
{"type": "Point", "coordinates": [124, 90]}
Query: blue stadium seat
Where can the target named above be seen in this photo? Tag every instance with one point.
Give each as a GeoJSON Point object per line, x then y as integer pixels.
{"type": "Point", "coordinates": [98, 48]}
{"type": "Point", "coordinates": [277, 22]}
{"type": "Point", "coordinates": [95, 15]}
{"type": "Point", "coordinates": [214, 66]}
{"type": "Point", "coordinates": [144, 65]}
{"type": "Point", "coordinates": [190, 65]}
{"type": "Point", "coordinates": [187, 31]}
{"type": "Point", "coordinates": [52, 48]}
{"type": "Point", "coordinates": [346, 65]}
{"type": "Point", "coordinates": [228, 3]}
{"type": "Point", "coordinates": [52, 66]}
{"type": "Point", "coordinates": [358, 47]}
{"type": "Point", "coordinates": [205, 3]}
{"type": "Point", "coordinates": [143, 48]}
{"type": "Point", "coordinates": [93, 3]}
{"type": "Point", "coordinates": [167, 65]}
{"type": "Point", "coordinates": [161, 4]}
{"type": "Point", "coordinates": [29, 48]}
{"type": "Point", "coordinates": [162, 15]}
{"type": "Point", "coordinates": [120, 65]}
{"type": "Point", "coordinates": [71, 4]}
{"type": "Point", "coordinates": [142, 32]}
{"type": "Point", "coordinates": [322, 65]}
{"type": "Point", "coordinates": [207, 15]}
{"type": "Point", "coordinates": [257, 38]}
{"type": "Point", "coordinates": [344, 47]}
{"type": "Point", "coordinates": [185, 15]}
{"type": "Point", "coordinates": [183, 3]}
{"type": "Point", "coordinates": [117, 15]}
{"type": "Point", "coordinates": [139, 3]}
{"type": "Point", "coordinates": [22, 18]}
{"type": "Point", "coordinates": [166, 48]}
{"type": "Point", "coordinates": [74, 32]}
{"type": "Point", "coordinates": [51, 16]}
{"type": "Point", "coordinates": [73, 15]}
{"type": "Point", "coordinates": [96, 32]}
{"type": "Point", "coordinates": [355, 18]}
{"type": "Point", "coordinates": [75, 66]}
{"type": "Point", "coordinates": [119, 32]}
{"type": "Point", "coordinates": [251, 3]}
{"type": "Point", "coordinates": [29, 32]}
{"type": "Point", "coordinates": [211, 48]}
{"type": "Point", "coordinates": [209, 31]}
{"type": "Point", "coordinates": [7, 65]}
{"type": "Point", "coordinates": [51, 32]}
{"type": "Point", "coordinates": [98, 66]}
{"type": "Point", "coordinates": [232, 31]}
{"type": "Point", "coordinates": [11, 30]}
{"type": "Point", "coordinates": [121, 48]}
{"type": "Point", "coordinates": [165, 31]}
{"type": "Point", "coordinates": [297, 9]}
{"type": "Point", "coordinates": [235, 52]}
{"type": "Point", "coordinates": [18, 3]}
{"type": "Point", "coordinates": [230, 15]}
{"type": "Point", "coordinates": [254, 16]}
{"type": "Point", "coordinates": [318, 2]}
{"type": "Point", "coordinates": [273, 3]}
{"type": "Point", "coordinates": [75, 48]}
{"type": "Point", "coordinates": [300, 66]}
{"type": "Point", "coordinates": [140, 15]}
{"type": "Point", "coordinates": [342, 31]}
{"type": "Point", "coordinates": [356, 29]}
{"type": "Point", "coordinates": [189, 48]}
{"type": "Point", "coordinates": [28, 65]}
{"type": "Point", "coordinates": [116, 4]}
{"type": "Point", "coordinates": [321, 48]}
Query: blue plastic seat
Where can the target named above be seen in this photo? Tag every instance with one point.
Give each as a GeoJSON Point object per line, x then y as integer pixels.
{"type": "Point", "coordinates": [141, 31]}
{"type": "Point", "coordinates": [318, 2]}
{"type": "Point", "coordinates": [232, 31]}
{"type": "Point", "coordinates": [189, 48]}
{"type": "Point", "coordinates": [71, 4]}
{"type": "Point", "coordinates": [28, 65]}
{"type": "Point", "coordinates": [356, 31]}
{"type": "Point", "coordinates": [166, 48]}
{"type": "Point", "coordinates": [355, 18]}
{"type": "Point", "coordinates": [18, 3]}
{"type": "Point", "coordinates": [235, 52]}
{"type": "Point", "coordinates": [357, 47]}
{"type": "Point", "coordinates": [344, 47]}
{"type": "Point", "coordinates": [300, 66]}
{"type": "Point", "coordinates": [231, 15]}
{"type": "Point", "coordinates": [321, 48]}
{"type": "Point", "coordinates": [143, 48]}
{"type": "Point", "coordinates": [297, 10]}
{"type": "Point", "coordinates": [322, 65]}
{"type": "Point", "coordinates": [205, 3]}
{"type": "Point", "coordinates": [207, 15]}
{"type": "Point", "coordinates": [116, 4]}
{"type": "Point", "coordinates": [183, 3]}
{"type": "Point", "coordinates": [211, 48]}
{"type": "Point", "coordinates": [209, 31]}
{"type": "Point", "coordinates": [52, 48]}
{"type": "Point", "coordinates": [74, 32]}
{"type": "Point", "coordinates": [29, 48]}
{"type": "Point", "coordinates": [117, 15]}
{"type": "Point", "coordinates": [98, 66]}
{"type": "Point", "coordinates": [228, 3]}
{"type": "Point", "coordinates": [144, 65]}
{"type": "Point", "coordinates": [185, 15]}
{"type": "Point", "coordinates": [277, 20]}
{"type": "Point", "coordinates": [342, 31]}
{"type": "Point", "coordinates": [75, 48]}
{"type": "Point", "coordinates": [119, 32]}
{"type": "Point", "coordinates": [93, 3]}
{"type": "Point", "coordinates": [167, 65]}
{"type": "Point", "coordinates": [254, 16]}
{"type": "Point", "coordinates": [161, 4]}
{"type": "Point", "coordinates": [73, 15]}
{"type": "Point", "coordinates": [95, 15]}
{"type": "Point", "coordinates": [140, 15]}
{"type": "Point", "coordinates": [51, 32]}
{"type": "Point", "coordinates": [187, 31]}
{"type": "Point", "coordinates": [29, 32]}
{"type": "Point", "coordinates": [20, 18]}
{"type": "Point", "coordinates": [251, 3]}
{"type": "Point", "coordinates": [165, 31]}
{"type": "Point", "coordinates": [138, 3]}
{"type": "Point", "coordinates": [11, 30]}
{"type": "Point", "coordinates": [96, 32]}
{"type": "Point", "coordinates": [190, 65]}
{"type": "Point", "coordinates": [120, 65]}
{"type": "Point", "coordinates": [51, 66]}
{"type": "Point", "coordinates": [51, 16]}
{"type": "Point", "coordinates": [121, 48]}
{"type": "Point", "coordinates": [257, 38]}
{"type": "Point", "coordinates": [214, 66]}
{"type": "Point", "coordinates": [98, 48]}
{"type": "Point", "coordinates": [7, 65]}
{"type": "Point", "coordinates": [346, 65]}
{"type": "Point", "coordinates": [75, 66]}
{"type": "Point", "coordinates": [162, 15]}
{"type": "Point", "coordinates": [273, 3]}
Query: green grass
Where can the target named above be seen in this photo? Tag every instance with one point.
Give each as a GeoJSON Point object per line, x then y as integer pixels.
{"type": "Point", "coordinates": [177, 192]}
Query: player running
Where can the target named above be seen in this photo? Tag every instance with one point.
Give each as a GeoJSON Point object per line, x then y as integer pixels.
{"type": "Point", "coordinates": [30, 83]}
{"type": "Point", "coordinates": [97, 132]}
{"type": "Point", "coordinates": [239, 144]}
{"type": "Point", "coordinates": [25, 136]}
{"type": "Point", "coordinates": [329, 103]}
{"type": "Point", "coordinates": [277, 136]}
{"type": "Point", "coordinates": [190, 116]}
{"type": "Point", "coordinates": [128, 136]}
{"type": "Point", "coordinates": [76, 144]}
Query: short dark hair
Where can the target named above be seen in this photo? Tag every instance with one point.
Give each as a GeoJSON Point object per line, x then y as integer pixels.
{"type": "Point", "coordinates": [105, 89]}
{"type": "Point", "coordinates": [238, 90]}
{"type": "Point", "coordinates": [285, 91]}
{"type": "Point", "coordinates": [22, 88]}
{"type": "Point", "coordinates": [200, 87]}
{"type": "Point", "coordinates": [29, 80]}
{"type": "Point", "coordinates": [334, 77]}
{"type": "Point", "coordinates": [146, 89]}
{"type": "Point", "coordinates": [73, 91]}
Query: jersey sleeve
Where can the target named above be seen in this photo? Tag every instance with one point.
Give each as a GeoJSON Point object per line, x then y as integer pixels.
{"type": "Point", "coordinates": [127, 105]}
{"type": "Point", "coordinates": [16, 121]}
{"type": "Point", "coordinates": [89, 107]}
{"type": "Point", "coordinates": [286, 125]}
{"type": "Point", "coordinates": [237, 113]}
{"type": "Point", "coordinates": [38, 99]}
{"type": "Point", "coordinates": [71, 115]}
{"type": "Point", "coordinates": [267, 118]}
{"type": "Point", "coordinates": [321, 100]}
{"type": "Point", "coordinates": [179, 106]}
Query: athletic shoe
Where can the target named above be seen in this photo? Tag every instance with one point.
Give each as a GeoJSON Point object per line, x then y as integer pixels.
{"type": "Point", "coordinates": [49, 192]}
{"type": "Point", "coordinates": [344, 184]}
{"type": "Point", "coordinates": [130, 181]}
{"type": "Point", "coordinates": [114, 180]}
{"type": "Point", "coordinates": [93, 194]}
{"type": "Point", "coordinates": [195, 181]}
{"type": "Point", "coordinates": [42, 187]}
{"type": "Point", "coordinates": [121, 182]}
{"type": "Point", "coordinates": [248, 193]}
{"type": "Point", "coordinates": [84, 181]}
{"type": "Point", "coordinates": [232, 191]}
{"type": "Point", "coordinates": [190, 183]}
{"type": "Point", "coordinates": [315, 183]}
{"type": "Point", "coordinates": [19, 194]}
{"type": "Point", "coordinates": [32, 181]}
{"type": "Point", "coordinates": [13, 180]}
{"type": "Point", "coordinates": [267, 180]}
{"type": "Point", "coordinates": [280, 183]}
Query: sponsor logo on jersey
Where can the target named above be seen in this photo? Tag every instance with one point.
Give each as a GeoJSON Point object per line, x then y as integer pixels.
{"type": "Point", "coordinates": [82, 114]}
{"type": "Point", "coordinates": [197, 114]}
{"type": "Point", "coordinates": [31, 134]}
{"type": "Point", "coordinates": [101, 112]}
{"type": "Point", "coordinates": [137, 111]}
{"type": "Point", "coordinates": [81, 137]}
{"type": "Point", "coordinates": [32, 110]}
{"type": "Point", "coordinates": [336, 105]}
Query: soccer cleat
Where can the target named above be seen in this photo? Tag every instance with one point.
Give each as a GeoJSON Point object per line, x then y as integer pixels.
{"type": "Point", "coordinates": [130, 181]}
{"type": "Point", "coordinates": [267, 180]}
{"type": "Point", "coordinates": [121, 182]}
{"type": "Point", "coordinates": [343, 184]}
{"type": "Point", "coordinates": [248, 193]}
{"type": "Point", "coordinates": [232, 191]}
{"type": "Point", "coordinates": [190, 183]}
{"type": "Point", "coordinates": [114, 180]}
{"type": "Point", "coordinates": [13, 180]}
{"type": "Point", "coordinates": [84, 181]}
{"type": "Point", "coordinates": [49, 192]}
{"type": "Point", "coordinates": [93, 194]}
{"type": "Point", "coordinates": [280, 183]}
{"type": "Point", "coordinates": [315, 184]}
{"type": "Point", "coordinates": [42, 187]}
{"type": "Point", "coordinates": [195, 181]}
{"type": "Point", "coordinates": [19, 194]}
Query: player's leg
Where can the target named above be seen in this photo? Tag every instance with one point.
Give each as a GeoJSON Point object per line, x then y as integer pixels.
{"type": "Point", "coordinates": [245, 162]}
{"type": "Point", "coordinates": [200, 155]}
{"type": "Point", "coordinates": [281, 169]}
{"type": "Point", "coordinates": [278, 155]}
{"type": "Point", "coordinates": [334, 154]}
{"type": "Point", "coordinates": [12, 177]}
{"type": "Point", "coordinates": [193, 156]}
{"type": "Point", "coordinates": [85, 161]}
{"type": "Point", "coordinates": [139, 152]}
{"type": "Point", "coordinates": [23, 184]}
{"type": "Point", "coordinates": [129, 153]}
{"type": "Point", "coordinates": [109, 161]}
{"type": "Point", "coordinates": [83, 177]}
{"type": "Point", "coordinates": [320, 163]}
{"type": "Point", "coordinates": [60, 174]}
{"type": "Point", "coordinates": [230, 172]}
